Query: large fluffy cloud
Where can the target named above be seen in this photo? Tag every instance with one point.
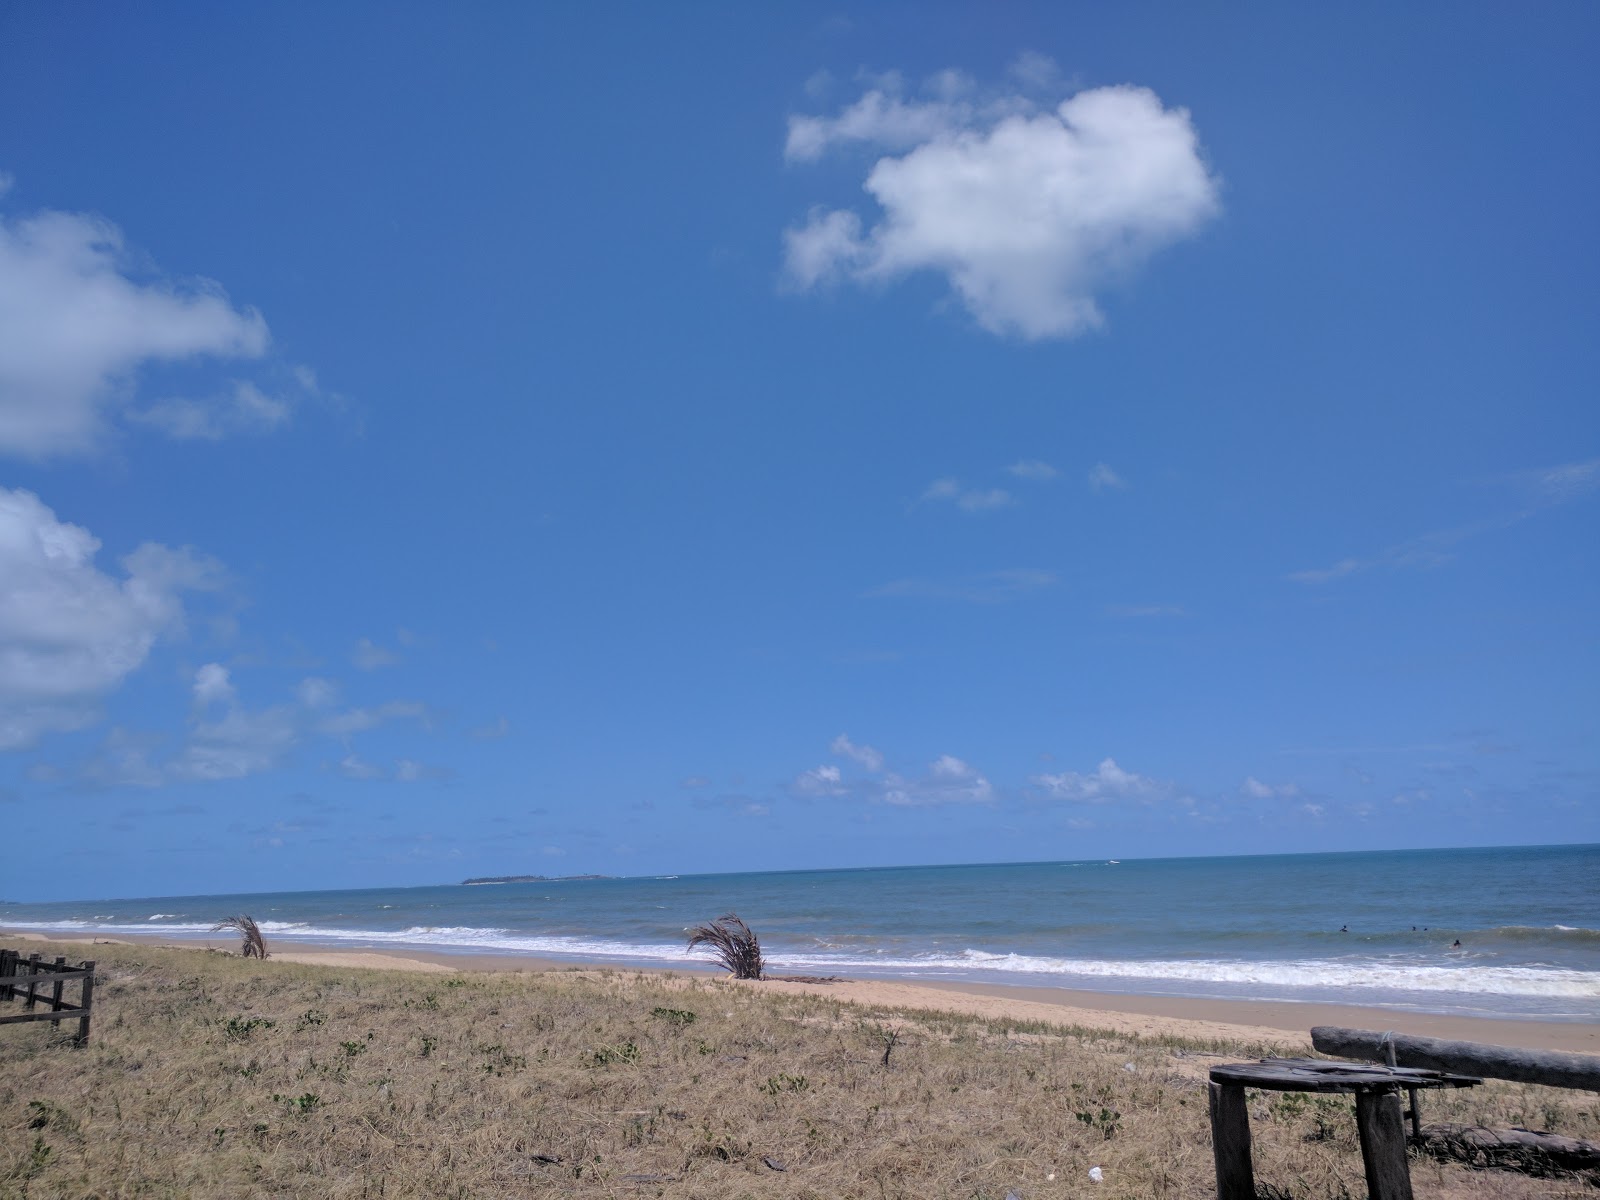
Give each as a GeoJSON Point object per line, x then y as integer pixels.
{"type": "Point", "coordinates": [77, 322]}
{"type": "Point", "coordinates": [69, 632]}
{"type": "Point", "coordinates": [1026, 212]}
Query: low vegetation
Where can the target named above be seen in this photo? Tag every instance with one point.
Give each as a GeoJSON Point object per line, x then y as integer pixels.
{"type": "Point", "coordinates": [210, 1075]}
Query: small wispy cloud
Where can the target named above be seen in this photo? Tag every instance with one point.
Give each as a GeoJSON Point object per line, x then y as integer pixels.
{"type": "Point", "coordinates": [1103, 478]}
{"type": "Point", "coordinates": [1137, 611]}
{"type": "Point", "coordinates": [948, 780]}
{"type": "Point", "coordinates": [1544, 488]}
{"type": "Point", "coordinates": [867, 756]}
{"type": "Point", "coordinates": [992, 587]}
{"type": "Point", "coordinates": [369, 656]}
{"type": "Point", "coordinates": [1254, 789]}
{"type": "Point", "coordinates": [498, 728]}
{"type": "Point", "coordinates": [359, 720]}
{"type": "Point", "coordinates": [1033, 469]}
{"type": "Point", "coordinates": [972, 500]}
{"type": "Point", "coordinates": [1106, 784]}
{"type": "Point", "coordinates": [405, 770]}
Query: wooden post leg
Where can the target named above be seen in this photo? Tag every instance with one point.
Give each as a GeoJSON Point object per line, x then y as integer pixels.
{"type": "Point", "coordinates": [1230, 1142]}
{"type": "Point", "coordinates": [1415, 1097]}
{"type": "Point", "coordinates": [1383, 1145]}
{"type": "Point", "coordinates": [33, 981]}
{"type": "Point", "coordinates": [86, 1000]}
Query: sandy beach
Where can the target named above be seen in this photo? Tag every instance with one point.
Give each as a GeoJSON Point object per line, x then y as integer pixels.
{"type": "Point", "coordinates": [1281, 1022]}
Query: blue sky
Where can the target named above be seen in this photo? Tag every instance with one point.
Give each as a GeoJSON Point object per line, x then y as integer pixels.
{"type": "Point", "coordinates": [438, 442]}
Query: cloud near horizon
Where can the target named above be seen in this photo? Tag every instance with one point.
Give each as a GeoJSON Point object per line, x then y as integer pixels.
{"type": "Point", "coordinates": [947, 780]}
{"type": "Point", "coordinates": [1027, 211]}
{"type": "Point", "coordinates": [1106, 784]}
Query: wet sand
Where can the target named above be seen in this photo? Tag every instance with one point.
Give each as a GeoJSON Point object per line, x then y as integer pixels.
{"type": "Point", "coordinates": [1279, 1022]}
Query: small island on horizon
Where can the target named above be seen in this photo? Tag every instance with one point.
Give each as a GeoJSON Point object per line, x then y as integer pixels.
{"type": "Point", "coordinates": [475, 882]}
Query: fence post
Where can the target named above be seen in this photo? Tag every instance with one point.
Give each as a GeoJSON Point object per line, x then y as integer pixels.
{"type": "Point", "coordinates": [8, 966]}
{"type": "Point", "coordinates": [33, 979]}
{"type": "Point", "coordinates": [85, 1000]}
{"type": "Point", "coordinates": [55, 992]}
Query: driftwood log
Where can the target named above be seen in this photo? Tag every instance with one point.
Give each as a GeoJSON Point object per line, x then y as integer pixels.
{"type": "Point", "coordinates": [1519, 1148]}
{"type": "Point", "coordinates": [1552, 1068]}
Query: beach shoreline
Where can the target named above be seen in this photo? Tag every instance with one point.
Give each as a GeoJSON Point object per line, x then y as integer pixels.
{"type": "Point", "coordinates": [1283, 1022]}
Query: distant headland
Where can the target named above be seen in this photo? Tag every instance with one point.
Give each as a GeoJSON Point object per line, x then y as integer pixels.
{"type": "Point", "coordinates": [529, 879]}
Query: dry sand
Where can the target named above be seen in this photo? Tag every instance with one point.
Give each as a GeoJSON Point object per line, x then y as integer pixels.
{"type": "Point", "coordinates": [1281, 1022]}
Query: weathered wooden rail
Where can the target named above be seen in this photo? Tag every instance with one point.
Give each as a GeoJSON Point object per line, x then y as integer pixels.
{"type": "Point", "coordinates": [1553, 1068]}
{"type": "Point", "coordinates": [1512, 1147]}
{"type": "Point", "coordinates": [27, 978]}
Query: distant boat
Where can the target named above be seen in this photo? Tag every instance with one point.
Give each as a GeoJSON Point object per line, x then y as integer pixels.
{"type": "Point", "coordinates": [1113, 862]}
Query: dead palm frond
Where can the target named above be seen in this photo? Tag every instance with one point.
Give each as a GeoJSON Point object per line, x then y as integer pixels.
{"type": "Point", "coordinates": [255, 946]}
{"type": "Point", "coordinates": [735, 946]}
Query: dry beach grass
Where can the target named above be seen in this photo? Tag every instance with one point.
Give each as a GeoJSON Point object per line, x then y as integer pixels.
{"type": "Point", "coordinates": [209, 1075]}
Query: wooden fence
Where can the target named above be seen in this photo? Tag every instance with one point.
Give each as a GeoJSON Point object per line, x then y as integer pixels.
{"type": "Point", "coordinates": [33, 981]}
{"type": "Point", "coordinates": [1514, 1147]}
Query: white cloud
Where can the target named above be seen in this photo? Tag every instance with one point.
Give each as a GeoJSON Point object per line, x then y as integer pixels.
{"type": "Point", "coordinates": [369, 656]}
{"type": "Point", "coordinates": [948, 780]}
{"type": "Point", "coordinates": [966, 499]}
{"type": "Point", "coordinates": [1568, 481]}
{"type": "Point", "coordinates": [353, 766]}
{"type": "Point", "coordinates": [244, 409]}
{"type": "Point", "coordinates": [359, 720]}
{"type": "Point", "coordinates": [881, 120]}
{"type": "Point", "coordinates": [212, 686]}
{"type": "Point", "coordinates": [1027, 213]}
{"type": "Point", "coordinates": [826, 780]}
{"type": "Point", "coordinates": [1106, 784]}
{"type": "Point", "coordinates": [868, 757]}
{"type": "Point", "coordinates": [69, 632]}
{"type": "Point", "coordinates": [1103, 477]}
{"type": "Point", "coordinates": [313, 692]}
{"type": "Point", "coordinates": [240, 744]}
{"type": "Point", "coordinates": [1256, 790]}
{"type": "Point", "coordinates": [1032, 468]}
{"type": "Point", "coordinates": [77, 323]}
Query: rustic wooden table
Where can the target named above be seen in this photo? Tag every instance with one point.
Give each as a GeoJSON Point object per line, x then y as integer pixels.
{"type": "Point", "coordinates": [1378, 1118]}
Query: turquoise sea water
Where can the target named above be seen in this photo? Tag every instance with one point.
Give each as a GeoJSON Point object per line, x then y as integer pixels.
{"type": "Point", "coordinates": [1527, 918]}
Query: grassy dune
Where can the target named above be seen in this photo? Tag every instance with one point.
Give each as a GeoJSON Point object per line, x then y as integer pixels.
{"type": "Point", "coordinates": [212, 1076]}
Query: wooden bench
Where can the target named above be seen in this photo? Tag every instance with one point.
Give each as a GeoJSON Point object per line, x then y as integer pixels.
{"type": "Point", "coordinates": [1378, 1118]}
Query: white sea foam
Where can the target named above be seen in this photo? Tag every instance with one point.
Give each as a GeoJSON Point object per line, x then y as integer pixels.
{"type": "Point", "coordinates": [1372, 976]}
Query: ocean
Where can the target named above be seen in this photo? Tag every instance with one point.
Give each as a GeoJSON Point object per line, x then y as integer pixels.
{"type": "Point", "coordinates": [1259, 927]}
